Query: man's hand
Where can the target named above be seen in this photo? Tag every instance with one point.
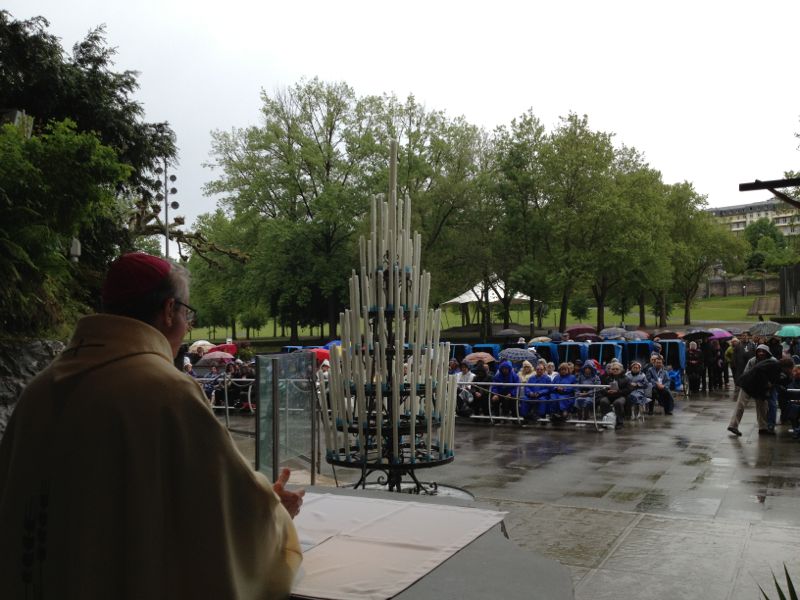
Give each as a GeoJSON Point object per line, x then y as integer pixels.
{"type": "Point", "coordinates": [292, 501]}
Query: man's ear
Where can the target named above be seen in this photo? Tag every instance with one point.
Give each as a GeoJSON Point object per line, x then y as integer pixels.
{"type": "Point", "coordinates": [167, 312]}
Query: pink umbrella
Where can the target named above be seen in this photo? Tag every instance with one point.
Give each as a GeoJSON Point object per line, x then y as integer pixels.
{"type": "Point", "coordinates": [719, 334]}
{"type": "Point", "coordinates": [211, 359]}
{"type": "Point", "coordinates": [229, 348]}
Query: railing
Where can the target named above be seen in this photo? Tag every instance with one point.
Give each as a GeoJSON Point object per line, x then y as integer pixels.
{"type": "Point", "coordinates": [590, 397]}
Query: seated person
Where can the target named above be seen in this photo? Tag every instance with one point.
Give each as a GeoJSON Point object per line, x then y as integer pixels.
{"type": "Point", "coordinates": [616, 396]}
{"type": "Point", "coordinates": [640, 386]}
{"type": "Point", "coordinates": [480, 393]}
{"type": "Point", "coordinates": [504, 397]}
{"type": "Point", "coordinates": [525, 371]}
{"type": "Point", "coordinates": [551, 371]}
{"type": "Point", "coordinates": [659, 379]}
{"type": "Point", "coordinates": [536, 395]}
{"type": "Point", "coordinates": [564, 395]}
{"type": "Point", "coordinates": [464, 399]}
{"type": "Point", "coordinates": [584, 397]}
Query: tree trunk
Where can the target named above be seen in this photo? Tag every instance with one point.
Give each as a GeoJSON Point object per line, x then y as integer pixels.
{"type": "Point", "coordinates": [233, 328]}
{"type": "Point", "coordinates": [601, 312]}
{"type": "Point", "coordinates": [662, 310]}
{"type": "Point", "coordinates": [642, 310]}
{"type": "Point", "coordinates": [687, 308]}
{"type": "Point", "coordinates": [295, 333]}
{"type": "Point", "coordinates": [506, 313]}
{"type": "Point", "coordinates": [333, 318]}
{"type": "Point", "coordinates": [562, 321]}
{"type": "Point", "coordinates": [274, 327]}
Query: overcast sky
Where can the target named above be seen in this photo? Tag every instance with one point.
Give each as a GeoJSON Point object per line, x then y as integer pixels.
{"type": "Point", "coordinates": [707, 90]}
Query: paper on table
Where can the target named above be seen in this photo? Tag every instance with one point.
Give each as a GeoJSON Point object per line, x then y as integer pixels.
{"type": "Point", "coordinates": [370, 548]}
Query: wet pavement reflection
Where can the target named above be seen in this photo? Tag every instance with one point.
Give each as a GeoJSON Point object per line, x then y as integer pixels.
{"type": "Point", "coordinates": [673, 507]}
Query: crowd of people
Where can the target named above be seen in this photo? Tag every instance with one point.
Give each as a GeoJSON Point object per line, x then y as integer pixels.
{"type": "Point", "coordinates": [764, 370]}
{"type": "Point", "coordinates": [572, 391]}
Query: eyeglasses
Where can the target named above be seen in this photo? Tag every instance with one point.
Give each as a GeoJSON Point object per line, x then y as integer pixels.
{"type": "Point", "coordinates": [191, 314]}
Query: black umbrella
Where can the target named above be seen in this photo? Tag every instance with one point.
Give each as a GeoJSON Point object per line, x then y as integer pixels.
{"type": "Point", "coordinates": [694, 335]}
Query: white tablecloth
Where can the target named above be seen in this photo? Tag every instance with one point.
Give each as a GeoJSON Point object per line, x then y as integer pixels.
{"type": "Point", "coordinates": [373, 548]}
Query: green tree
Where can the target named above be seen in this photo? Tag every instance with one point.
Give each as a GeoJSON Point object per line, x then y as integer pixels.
{"type": "Point", "coordinates": [763, 228]}
{"type": "Point", "coordinates": [302, 170]}
{"type": "Point", "coordinates": [579, 307]}
{"type": "Point", "coordinates": [577, 163]}
{"type": "Point", "coordinates": [52, 185]}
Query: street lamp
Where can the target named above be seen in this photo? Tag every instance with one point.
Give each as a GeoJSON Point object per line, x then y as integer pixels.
{"type": "Point", "coordinates": [167, 204]}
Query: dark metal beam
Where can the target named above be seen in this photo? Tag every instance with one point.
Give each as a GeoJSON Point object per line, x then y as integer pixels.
{"type": "Point", "coordinates": [769, 185]}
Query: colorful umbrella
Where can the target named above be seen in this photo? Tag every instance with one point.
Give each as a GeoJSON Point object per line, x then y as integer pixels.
{"type": "Point", "coordinates": [476, 356]}
{"type": "Point", "coordinates": [320, 353]}
{"type": "Point", "coordinates": [332, 343]}
{"type": "Point", "coordinates": [720, 334]}
{"type": "Point", "coordinates": [789, 331]}
{"type": "Point", "coordinates": [229, 348]}
{"type": "Point", "coordinates": [204, 344]}
{"type": "Point", "coordinates": [214, 359]}
{"type": "Point", "coordinates": [574, 330]}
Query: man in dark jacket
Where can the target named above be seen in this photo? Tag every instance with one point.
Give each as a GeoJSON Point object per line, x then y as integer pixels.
{"type": "Point", "coordinates": [616, 396]}
{"type": "Point", "coordinates": [756, 383]}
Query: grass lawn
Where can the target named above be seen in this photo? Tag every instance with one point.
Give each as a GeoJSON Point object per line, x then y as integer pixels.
{"type": "Point", "coordinates": [732, 308]}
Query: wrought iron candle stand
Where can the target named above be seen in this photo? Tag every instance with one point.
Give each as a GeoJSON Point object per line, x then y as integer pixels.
{"type": "Point", "coordinates": [391, 401]}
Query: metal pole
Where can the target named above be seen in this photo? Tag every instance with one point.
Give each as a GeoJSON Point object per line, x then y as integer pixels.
{"type": "Point", "coordinates": [166, 211]}
{"type": "Point", "coordinates": [275, 419]}
{"type": "Point", "coordinates": [314, 400]}
{"type": "Point", "coordinates": [257, 384]}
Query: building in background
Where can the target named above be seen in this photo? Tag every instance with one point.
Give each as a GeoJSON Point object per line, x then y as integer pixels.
{"type": "Point", "coordinates": [784, 216]}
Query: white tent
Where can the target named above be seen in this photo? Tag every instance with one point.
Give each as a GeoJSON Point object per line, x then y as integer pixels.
{"type": "Point", "coordinates": [476, 294]}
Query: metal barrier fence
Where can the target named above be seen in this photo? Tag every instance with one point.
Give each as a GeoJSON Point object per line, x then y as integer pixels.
{"type": "Point", "coordinates": [590, 398]}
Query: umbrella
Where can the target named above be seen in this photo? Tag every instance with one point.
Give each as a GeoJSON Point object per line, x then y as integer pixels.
{"type": "Point", "coordinates": [665, 334]}
{"type": "Point", "coordinates": [735, 330]}
{"type": "Point", "coordinates": [332, 343]}
{"type": "Point", "coordinates": [574, 330]}
{"type": "Point", "coordinates": [214, 359]}
{"type": "Point", "coordinates": [204, 344]}
{"type": "Point", "coordinates": [541, 338]}
{"type": "Point", "coordinates": [636, 335]}
{"type": "Point", "coordinates": [764, 328]}
{"type": "Point", "coordinates": [508, 333]}
{"type": "Point", "coordinates": [789, 331]}
{"type": "Point", "coordinates": [229, 348]}
{"type": "Point", "coordinates": [517, 355]}
{"type": "Point", "coordinates": [694, 335]}
{"type": "Point", "coordinates": [612, 332]}
{"type": "Point", "coordinates": [476, 356]}
{"type": "Point", "coordinates": [320, 353]}
{"type": "Point", "coordinates": [720, 334]}
{"type": "Point", "coordinates": [588, 337]}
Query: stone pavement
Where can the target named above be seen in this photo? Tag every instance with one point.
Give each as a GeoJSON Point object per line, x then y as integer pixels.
{"type": "Point", "coordinates": [673, 507]}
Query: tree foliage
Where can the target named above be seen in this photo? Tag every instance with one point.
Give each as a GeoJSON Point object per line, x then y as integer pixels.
{"type": "Point", "coordinates": [52, 186]}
